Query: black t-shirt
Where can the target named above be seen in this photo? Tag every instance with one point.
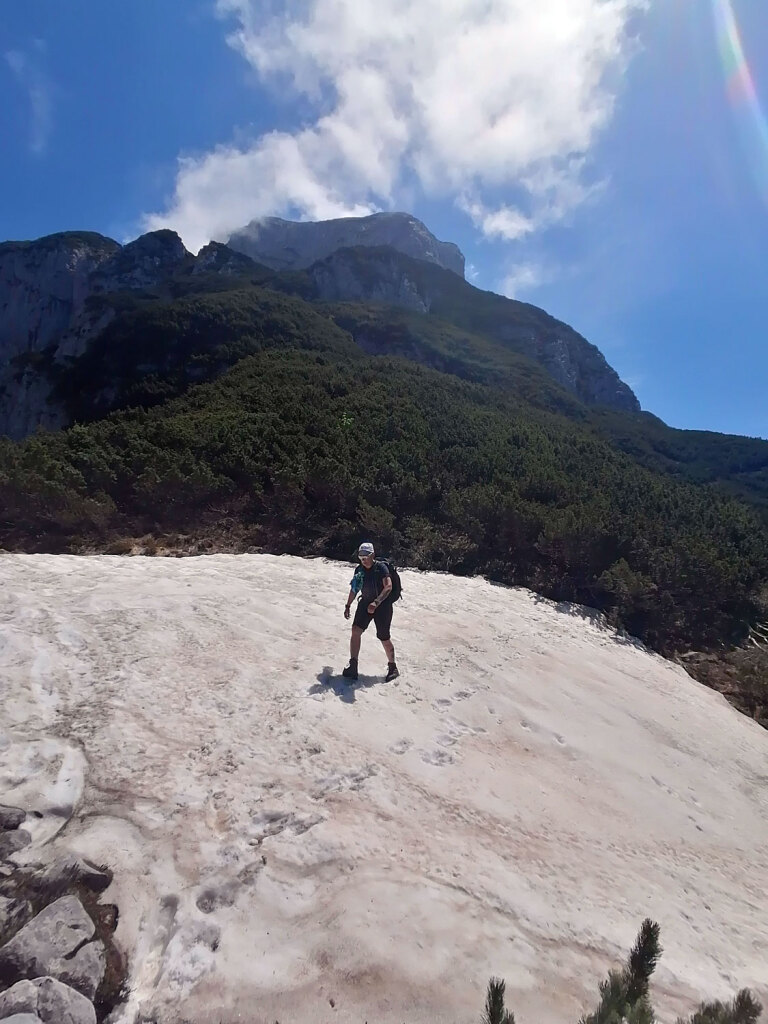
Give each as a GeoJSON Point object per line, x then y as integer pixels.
{"type": "Point", "coordinates": [373, 581]}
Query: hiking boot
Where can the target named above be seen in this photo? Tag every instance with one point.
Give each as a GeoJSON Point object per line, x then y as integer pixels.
{"type": "Point", "coordinates": [350, 672]}
{"type": "Point", "coordinates": [392, 672]}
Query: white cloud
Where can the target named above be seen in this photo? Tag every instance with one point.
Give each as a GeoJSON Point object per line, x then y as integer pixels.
{"type": "Point", "coordinates": [462, 99]}
{"type": "Point", "coordinates": [504, 222]}
{"type": "Point", "coordinates": [33, 80]}
{"type": "Point", "coordinates": [520, 278]}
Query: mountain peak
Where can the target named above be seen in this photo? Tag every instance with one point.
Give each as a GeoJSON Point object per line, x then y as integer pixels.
{"type": "Point", "coordinates": [296, 245]}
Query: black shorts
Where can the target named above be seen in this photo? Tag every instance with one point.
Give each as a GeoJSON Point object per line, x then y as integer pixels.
{"type": "Point", "coordinates": [382, 617]}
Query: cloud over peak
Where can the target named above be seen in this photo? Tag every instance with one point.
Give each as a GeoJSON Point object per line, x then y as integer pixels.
{"type": "Point", "coordinates": [28, 71]}
{"type": "Point", "coordinates": [491, 103]}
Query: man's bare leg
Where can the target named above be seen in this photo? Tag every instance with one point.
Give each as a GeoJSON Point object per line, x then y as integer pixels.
{"type": "Point", "coordinates": [392, 672]}
{"type": "Point", "coordinates": [350, 672]}
{"type": "Point", "coordinates": [354, 642]}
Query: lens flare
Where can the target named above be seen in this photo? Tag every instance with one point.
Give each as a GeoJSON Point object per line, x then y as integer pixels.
{"type": "Point", "coordinates": [743, 93]}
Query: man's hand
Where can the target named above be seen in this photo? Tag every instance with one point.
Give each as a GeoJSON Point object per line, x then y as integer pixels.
{"type": "Point", "coordinates": [346, 611]}
{"type": "Point", "coordinates": [371, 608]}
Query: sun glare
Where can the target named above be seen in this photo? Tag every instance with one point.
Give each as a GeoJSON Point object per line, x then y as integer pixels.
{"type": "Point", "coordinates": [743, 92]}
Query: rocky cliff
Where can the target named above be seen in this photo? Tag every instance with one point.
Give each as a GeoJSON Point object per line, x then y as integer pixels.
{"type": "Point", "coordinates": [291, 245]}
{"type": "Point", "coordinates": [382, 275]}
{"type": "Point", "coordinates": [47, 312]}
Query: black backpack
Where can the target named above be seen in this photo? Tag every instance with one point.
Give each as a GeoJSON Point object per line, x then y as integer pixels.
{"type": "Point", "coordinates": [394, 575]}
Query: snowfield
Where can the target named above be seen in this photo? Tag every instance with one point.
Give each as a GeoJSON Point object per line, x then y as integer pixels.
{"type": "Point", "coordinates": [288, 848]}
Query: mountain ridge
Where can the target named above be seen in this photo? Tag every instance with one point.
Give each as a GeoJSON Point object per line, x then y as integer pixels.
{"type": "Point", "coordinates": [60, 292]}
{"type": "Point", "coordinates": [296, 245]}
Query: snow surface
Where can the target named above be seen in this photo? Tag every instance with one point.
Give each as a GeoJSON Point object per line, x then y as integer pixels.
{"type": "Point", "coordinates": [527, 792]}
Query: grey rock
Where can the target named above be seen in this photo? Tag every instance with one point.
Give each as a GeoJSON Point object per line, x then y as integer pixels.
{"type": "Point", "coordinates": [341, 278]}
{"type": "Point", "coordinates": [145, 262]}
{"type": "Point", "coordinates": [79, 869]}
{"type": "Point", "coordinates": [11, 817]}
{"type": "Point", "coordinates": [221, 259]}
{"type": "Point", "coordinates": [43, 289]}
{"type": "Point", "coordinates": [22, 1018]}
{"type": "Point", "coordinates": [56, 943]}
{"type": "Point", "coordinates": [48, 999]}
{"type": "Point", "coordinates": [12, 842]}
{"type": "Point", "coordinates": [84, 970]}
{"type": "Point", "coordinates": [293, 245]}
{"type": "Point", "coordinates": [14, 914]}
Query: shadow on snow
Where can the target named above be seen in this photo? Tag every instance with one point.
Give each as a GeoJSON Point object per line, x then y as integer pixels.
{"type": "Point", "coordinates": [345, 689]}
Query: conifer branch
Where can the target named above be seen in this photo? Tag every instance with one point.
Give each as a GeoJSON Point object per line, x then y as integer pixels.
{"type": "Point", "coordinates": [495, 1011]}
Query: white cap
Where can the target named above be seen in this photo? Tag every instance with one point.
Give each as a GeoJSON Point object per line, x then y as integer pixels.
{"type": "Point", "coordinates": [365, 549]}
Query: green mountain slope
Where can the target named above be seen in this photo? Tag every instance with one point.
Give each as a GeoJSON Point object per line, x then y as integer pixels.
{"type": "Point", "coordinates": [154, 349]}
{"type": "Point", "coordinates": [737, 464]}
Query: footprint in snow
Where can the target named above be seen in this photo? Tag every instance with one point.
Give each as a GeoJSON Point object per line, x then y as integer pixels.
{"type": "Point", "coordinates": [437, 757]}
{"type": "Point", "coordinates": [401, 747]}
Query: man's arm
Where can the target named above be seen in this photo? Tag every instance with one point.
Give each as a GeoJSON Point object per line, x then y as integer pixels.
{"type": "Point", "coordinates": [350, 601]}
{"type": "Point", "coordinates": [385, 592]}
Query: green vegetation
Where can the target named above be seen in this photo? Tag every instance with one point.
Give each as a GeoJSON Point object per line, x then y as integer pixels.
{"type": "Point", "coordinates": [382, 330]}
{"type": "Point", "coordinates": [143, 357]}
{"type": "Point", "coordinates": [303, 450]}
{"type": "Point", "coordinates": [154, 350]}
{"type": "Point", "coordinates": [484, 337]}
{"type": "Point", "coordinates": [625, 995]}
{"type": "Point", "coordinates": [737, 464]}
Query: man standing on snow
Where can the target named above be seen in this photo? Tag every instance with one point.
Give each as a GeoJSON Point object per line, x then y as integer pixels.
{"type": "Point", "coordinates": [374, 585]}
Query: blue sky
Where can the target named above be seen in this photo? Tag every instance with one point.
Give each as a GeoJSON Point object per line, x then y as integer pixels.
{"type": "Point", "coordinates": [587, 155]}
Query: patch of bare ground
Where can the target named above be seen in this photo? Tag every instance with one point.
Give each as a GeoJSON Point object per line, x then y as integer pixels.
{"type": "Point", "coordinates": [741, 676]}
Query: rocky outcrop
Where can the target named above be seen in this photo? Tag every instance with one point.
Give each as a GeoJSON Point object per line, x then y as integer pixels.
{"type": "Point", "coordinates": [216, 258]}
{"type": "Point", "coordinates": [294, 245]}
{"type": "Point", "coordinates": [143, 263]}
{"type": "Point", "coordinates": [340, 278]}
{"type": "Point", "coordinates": [47, 312]}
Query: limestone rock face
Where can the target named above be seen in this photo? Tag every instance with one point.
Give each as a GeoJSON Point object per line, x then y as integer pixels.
{"type": "Point", "coordinates": [141, 263]}
{"type": "Point", "coordinates": [47, 1000]}
{"type": "Point", "coordinates": [338, 279]}
{"type": "Point", "coordinates": [577, 365]}
{"type": "Point", "coordinates": [221, 259]}
{"type": "Point", "coordinates": [293, 245]}
{"type": "Point", "coordinates": [45, 314]}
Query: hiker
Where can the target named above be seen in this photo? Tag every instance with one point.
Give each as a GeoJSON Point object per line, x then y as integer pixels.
{"type": "Point", "coordinates": [373, 583]}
